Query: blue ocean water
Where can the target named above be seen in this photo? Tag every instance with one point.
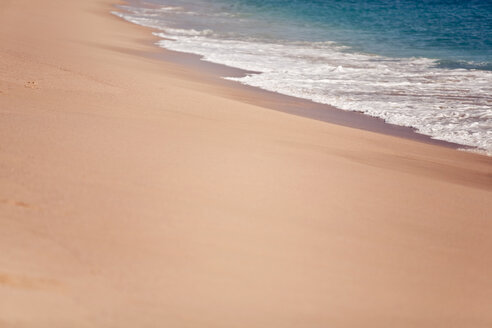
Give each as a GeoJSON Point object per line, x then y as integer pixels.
{"type": "Point", "coordinates": [454, 31]}
{"type": "Point", "coordinates": [423, 63]}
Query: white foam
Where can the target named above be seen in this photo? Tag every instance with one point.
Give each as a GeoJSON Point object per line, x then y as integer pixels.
{"type": "Point", "coordinates": [170, 33]}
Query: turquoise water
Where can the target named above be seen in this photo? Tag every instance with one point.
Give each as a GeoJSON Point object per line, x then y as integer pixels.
{"type": "Point", "coordinates": [453, 31]}
{"type": "Point", "coordinates": [423, 64]}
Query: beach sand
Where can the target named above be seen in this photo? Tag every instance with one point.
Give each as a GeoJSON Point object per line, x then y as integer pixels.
{"type": "Point", "coordinates": [136, 193]}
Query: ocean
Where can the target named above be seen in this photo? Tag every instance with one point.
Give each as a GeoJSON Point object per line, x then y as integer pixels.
{"type": "Point", "coordinates": [423, 64]}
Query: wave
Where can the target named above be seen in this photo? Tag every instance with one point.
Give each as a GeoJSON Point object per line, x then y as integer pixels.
{"type": "Point", "coordinates": [458, 64]}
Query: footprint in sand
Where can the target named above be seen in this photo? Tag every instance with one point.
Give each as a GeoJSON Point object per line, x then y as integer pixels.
{"type": "Point", "coordinates": [31, 84]}
{"type": "Point", "coordinates": [25, 282]}
{"type": "Point", "coordinates": [18, 203]}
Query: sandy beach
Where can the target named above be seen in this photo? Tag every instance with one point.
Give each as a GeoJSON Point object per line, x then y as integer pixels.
{"type": "Point", "coordinates": [135, 192]}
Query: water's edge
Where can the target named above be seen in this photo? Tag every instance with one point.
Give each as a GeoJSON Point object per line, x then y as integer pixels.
{"type": "Point", "coordinates": [216, 73]}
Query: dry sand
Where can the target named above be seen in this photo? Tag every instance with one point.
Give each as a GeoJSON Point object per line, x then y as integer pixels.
{"type": "Point", "coordinates": [134, 193]}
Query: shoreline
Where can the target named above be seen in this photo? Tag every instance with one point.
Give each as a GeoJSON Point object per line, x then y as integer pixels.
{"type": "Point", "coordinates": [217, 73]}
{"type": "Point", "coordinates": [137, 192]}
